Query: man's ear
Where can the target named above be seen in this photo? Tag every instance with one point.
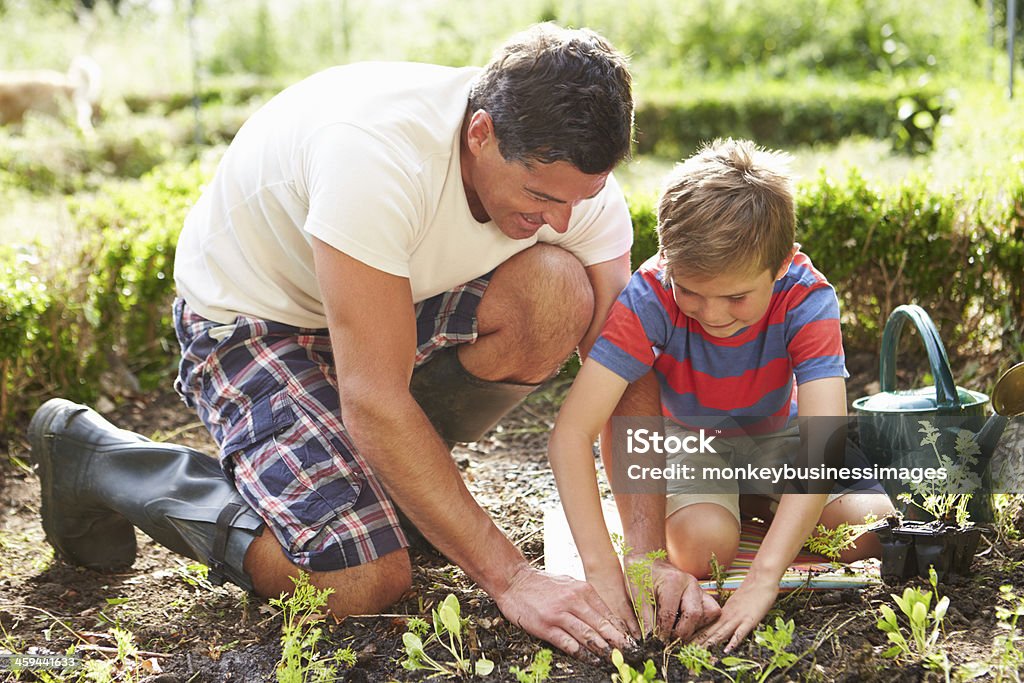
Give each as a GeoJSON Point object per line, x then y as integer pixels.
{"type": "Point", "coordinates": [787, 263]}
{"type": "Point", "coordinates": [479, 131]}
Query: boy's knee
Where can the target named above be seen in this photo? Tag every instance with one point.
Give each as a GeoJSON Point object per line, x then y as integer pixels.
{"type": "Point", "coordinates": [696, 533]}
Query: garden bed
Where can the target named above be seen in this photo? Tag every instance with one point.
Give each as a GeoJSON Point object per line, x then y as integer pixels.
{"type": "Point", "coordinates": [200, 634]}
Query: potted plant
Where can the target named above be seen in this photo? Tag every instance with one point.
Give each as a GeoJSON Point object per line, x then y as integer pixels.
{"type": "Point", "coordinates": [948, 541]}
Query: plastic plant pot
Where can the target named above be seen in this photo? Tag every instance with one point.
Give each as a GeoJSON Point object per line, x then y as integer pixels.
{"type": "Point", "coordinates": [966, 542]}
{"type": "Point", "coordinates": [898, 560]}
{"type": "Point", "coordinates": [910, 547]}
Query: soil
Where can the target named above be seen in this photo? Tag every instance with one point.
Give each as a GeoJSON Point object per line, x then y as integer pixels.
{"type": "Point", "coordinates": [201, 633]}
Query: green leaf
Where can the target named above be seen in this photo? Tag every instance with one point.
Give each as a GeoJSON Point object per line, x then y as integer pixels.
{"type": "Point", "coordinates": [452, 603]}
{"type": "Point", "coordinates": [450, 619]}
{"type": "Point", "coordinates": [413, 644]}
{"type": "Point", "coordinates": [483, 667]}
{"type": "Point", "coordinates": [919, 614]}
{"type": "Point", "coordinates": [940, 609]}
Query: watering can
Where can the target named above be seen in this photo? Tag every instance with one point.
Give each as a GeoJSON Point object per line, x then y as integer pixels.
{"type": "Point", "coordinates": [889, 421]}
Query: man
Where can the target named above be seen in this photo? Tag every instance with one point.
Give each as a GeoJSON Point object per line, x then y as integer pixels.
{"type": "Point", "coordinates": [388, 259]}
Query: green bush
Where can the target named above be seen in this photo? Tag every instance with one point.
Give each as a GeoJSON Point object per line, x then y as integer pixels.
{"type": "Point", "coordinates": [99, 317]}
{"type": "Point", "coordinates": [787, 114]}
{"type": "Point", "coordinates": [49, 156]}
{"type": "Point", "coordinates": [67, 323]}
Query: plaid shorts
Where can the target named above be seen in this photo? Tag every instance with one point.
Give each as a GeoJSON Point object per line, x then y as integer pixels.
{"type": "Point", "coordinates": [268, 393]}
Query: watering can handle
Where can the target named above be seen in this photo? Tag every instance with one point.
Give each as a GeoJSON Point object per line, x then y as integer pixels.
{"type": "Point", "coordinates": [946, 395]}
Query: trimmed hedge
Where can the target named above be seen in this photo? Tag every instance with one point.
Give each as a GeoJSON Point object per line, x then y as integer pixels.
{"type": "Point", "coordinates": [673, 124]}
{"type": "Point", "coordinates": [96, 316]}
{"type": "Point", "coordinates": [786, 114]}
{"type": "Point", "coordinates": [72, 329]}
{"type": "Point", "coordinates": [959, 255]}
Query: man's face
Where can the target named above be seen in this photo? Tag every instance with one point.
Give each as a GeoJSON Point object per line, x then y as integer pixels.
{"type": "Point", "coordinates": [726, 303]}
{"type": "Point", "coordinates": [520, 199]}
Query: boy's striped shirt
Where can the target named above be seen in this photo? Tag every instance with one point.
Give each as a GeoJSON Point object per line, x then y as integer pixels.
{"type": "Point", "coordinates": [751, 376]}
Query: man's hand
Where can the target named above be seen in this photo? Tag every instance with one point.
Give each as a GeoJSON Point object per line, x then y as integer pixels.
{"type": "Point", "coordinates": [565, 612]}
{"type": "Point", "coordinates": [683, 606]}
{"type": "Point", "coordinates": [742, 613]}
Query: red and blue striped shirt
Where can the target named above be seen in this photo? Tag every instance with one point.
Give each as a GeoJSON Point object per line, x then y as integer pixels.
{"type": "Point", "coordinates": [751, 376]}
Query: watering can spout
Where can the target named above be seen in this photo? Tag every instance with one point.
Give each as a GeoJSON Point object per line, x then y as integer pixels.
{"type": "Point", "coordinates": [988, 436]}
{"type": "Point", "coordinates": [1007, 402]}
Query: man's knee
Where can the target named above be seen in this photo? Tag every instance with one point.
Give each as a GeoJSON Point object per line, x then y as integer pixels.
{"type": "Point", "coordinates": [541, 301]}
{"type": "Point", "coordinates": [363, 589]}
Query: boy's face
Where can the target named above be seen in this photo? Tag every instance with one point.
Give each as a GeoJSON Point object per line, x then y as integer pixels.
{"type": "Point", "coordinates": [727, 303]}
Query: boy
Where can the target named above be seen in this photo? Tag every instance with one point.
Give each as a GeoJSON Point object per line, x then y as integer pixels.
{"type": "Point", "coordinates": [732, 317]}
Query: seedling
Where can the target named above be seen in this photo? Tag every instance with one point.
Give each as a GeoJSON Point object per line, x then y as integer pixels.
{"type": "Point", "coordinates": [624, 673]}
{"type": "Point", "coordinates": [448, 626]}
{"type": "Point", "coordinates": [947, 500]}
{"type": "Point", "coordinates": [925, 626]}
{"type": "Point", "coordinates": [300, 662]}
{"type": "Point", "coordinates": [698, 659]}
{"type": "Point", "coordinates": [537, 672]}
{"type": "Point", "coordinates": [776, 639]}
{"type": "Point", "coordinates": [195, 574]}
{"type": "Point", "coordinates": [641, 582]}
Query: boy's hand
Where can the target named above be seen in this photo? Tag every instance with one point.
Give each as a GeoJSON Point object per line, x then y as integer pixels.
{"type": "Point", "coordinates": [742, 613]}
{"type": "Point", "coordinates": [683, 606]}
{"type": "Point", "coordinates": [612, 589]}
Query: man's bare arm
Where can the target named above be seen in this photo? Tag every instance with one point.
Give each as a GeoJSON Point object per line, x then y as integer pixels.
{"type": "Point", "coordinates": [372, 326]}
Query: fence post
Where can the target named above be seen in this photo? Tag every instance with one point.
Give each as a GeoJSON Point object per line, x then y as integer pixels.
{"type": "Point", "coordinates": [1011, 34]}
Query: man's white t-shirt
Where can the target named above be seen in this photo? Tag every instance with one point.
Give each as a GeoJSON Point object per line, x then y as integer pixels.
{"type": "Point", "coordinates": [364, 157]}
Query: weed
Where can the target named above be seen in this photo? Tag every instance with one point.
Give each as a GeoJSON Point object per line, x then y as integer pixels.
{"type": "Point", "coordinates": [719, 576]}
{"type": "Point", "coordinates": [947, 499]}
{"type": "Point", "coordinates": [448, 626]}
{"type": "Point", "coordinates": [300, 661]}
{"type": "Point", "coordinates": [925, 626]}
{"type": "Point", "coordinates": [195, 574]}
{"type": "Point", "coordinates": [624, 673]}
{"type": "Point", "coordinates": [1008, 655]}
{"type": "Point", "coordinates": [830, 543]}
{"type": "Point", "coordinates": [537, 672]}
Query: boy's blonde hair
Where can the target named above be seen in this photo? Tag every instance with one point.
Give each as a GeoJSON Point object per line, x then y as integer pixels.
{"type": "Point", "coordinates": [727, 209]}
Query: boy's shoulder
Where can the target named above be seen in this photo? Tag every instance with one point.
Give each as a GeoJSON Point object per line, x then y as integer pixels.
{"type": "Point", "coordinates": [802, 276]}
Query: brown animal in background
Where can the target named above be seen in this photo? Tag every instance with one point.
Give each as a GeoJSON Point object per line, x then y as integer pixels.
{"type": "Point", "coordinates": [50, 92]}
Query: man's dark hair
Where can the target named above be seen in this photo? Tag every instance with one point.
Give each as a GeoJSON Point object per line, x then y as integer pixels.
{"type": "Point", "coordinates": [558, 94]}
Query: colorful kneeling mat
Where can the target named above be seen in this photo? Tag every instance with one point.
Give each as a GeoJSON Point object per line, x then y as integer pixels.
{"type": "Point", "coordinates": [807, 571]}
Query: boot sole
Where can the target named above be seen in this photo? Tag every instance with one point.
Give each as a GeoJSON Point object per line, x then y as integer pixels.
{"type": "Point", "coordinates": [39, 427]}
